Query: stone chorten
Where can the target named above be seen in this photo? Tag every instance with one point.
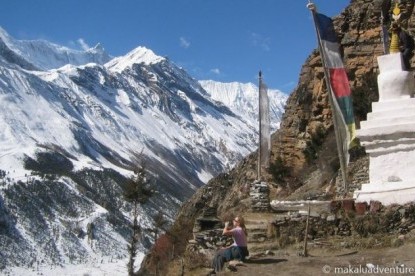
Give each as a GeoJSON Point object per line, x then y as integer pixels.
{"type": "Point", "coordinates": [388, 136]}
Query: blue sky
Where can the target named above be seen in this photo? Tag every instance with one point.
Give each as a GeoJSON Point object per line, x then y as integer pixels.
{"type": "Point", "coordinates": [223, 40]}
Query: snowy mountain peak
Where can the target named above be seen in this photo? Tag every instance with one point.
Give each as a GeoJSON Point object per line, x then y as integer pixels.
{"type": "Point", "coordinates": [4, 35]}
{"type": "Point", "coordinates": [242, 98]}
{"type": "Point", "coordinates": [230, 93]}
{"type": "Point", "coordinates": [136, 56]}
{"type": "Point", "coordinates": [45, 55]}
{"type": "Point", "coordinates": [96, 49]}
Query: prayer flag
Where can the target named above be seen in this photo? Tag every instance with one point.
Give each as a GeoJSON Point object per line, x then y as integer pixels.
{"type": "Point", "coordinates": [264, 125]}
{"type": "Point", "coordinates": [338, 81]}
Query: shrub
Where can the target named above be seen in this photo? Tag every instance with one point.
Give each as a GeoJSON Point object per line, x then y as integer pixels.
{"type": "Point", "coordinates": [278, 170]}
{"type": "Point", "coordinates": [314, 144]}
{"type": "Point", "coordinates": [49, 163]}
{"type": "Point", "coordinates": [161, 251]}
{"type": "Point", "coordinates": [194, 259]}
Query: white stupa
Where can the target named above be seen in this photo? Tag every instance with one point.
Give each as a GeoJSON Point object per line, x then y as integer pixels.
{"type": "Point", "coordinates": [388, 136]}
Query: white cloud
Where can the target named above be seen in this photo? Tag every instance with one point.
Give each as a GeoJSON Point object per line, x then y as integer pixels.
{"type": "Point", "coordinates": [83, 44]}
{"type": "Point", "coordinates": [260, 41]}
{"type": "Point", "coordinates": [215, 71]}
{"type": "Point", "coordinates": [184, 42]}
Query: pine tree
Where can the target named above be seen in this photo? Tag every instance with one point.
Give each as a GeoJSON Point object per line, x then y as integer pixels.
{"type": "Point", "coordinates": [137, 192]}
{"type": "Point", "coordinates": [160, 223]}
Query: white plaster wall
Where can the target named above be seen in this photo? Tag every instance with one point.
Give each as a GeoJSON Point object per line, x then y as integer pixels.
{"type": "Point", "coordinates": [391, 167]}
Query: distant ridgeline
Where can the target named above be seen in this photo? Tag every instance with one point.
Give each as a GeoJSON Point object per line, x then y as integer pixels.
{"type": "Point", "coordinates": [75, 126]}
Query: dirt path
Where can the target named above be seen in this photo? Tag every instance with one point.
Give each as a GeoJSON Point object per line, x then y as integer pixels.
{"type": "Point", "coordinates": [385, 261]}
{"type": "Point", "coordinates": [319, 262]}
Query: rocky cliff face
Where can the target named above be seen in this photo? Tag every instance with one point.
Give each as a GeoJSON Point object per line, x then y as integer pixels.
{"type": "Point", "coordinates": [304, 154]}
{"type": "Point", "coordinates": [304, 146]}
{"type": "Point", "coordinates": [307, 111]}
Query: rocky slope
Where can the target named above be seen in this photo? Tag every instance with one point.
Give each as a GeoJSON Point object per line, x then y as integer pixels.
{"type": "Point", "coordinates": [304, 159]}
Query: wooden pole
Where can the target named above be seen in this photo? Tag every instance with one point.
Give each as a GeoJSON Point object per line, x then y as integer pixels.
{"type": "Point", "coordinates": [259, 119]}
{"type": "Point", "coordinates": [343, 165]}
{"type": "Point", "coordinates": [305, 253]}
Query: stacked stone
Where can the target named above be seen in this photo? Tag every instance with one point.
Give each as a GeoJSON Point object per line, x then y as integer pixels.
{"type": "Point", "coordinates": [358, 173]}
{"type": "Point", "coordinates": [209, 212]}
{"type": "Point", "coordinates": [207, 221]}
{"type": "Point", "coordinates": [400, 219]}
{"type": "Point", "coordinates": [394, 219]}
{"type": "Point", "coordinates": [291, 228]}
{"type": "Point", "coordinates": [207, 231]}
{"type": "Point", "coordinates": [344, 228]}
{"type": "Point", "coordinates": [259, 194]}
{"type": "Point", "coordinates": [211, 239]}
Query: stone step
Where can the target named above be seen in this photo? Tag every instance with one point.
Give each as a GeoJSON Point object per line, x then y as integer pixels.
{"type": "Point", "coordinates": [257, 233]}
{"type": "Point", "coordinates": [387, 121]}
{"type": "Point", "coordinates": [393, 105]}
{"type": "Point", "coordinates": [259, 227]}
{"type": "Point", "coordinates": [399, 112]}
{"type": "Point", "coordinates": [402, 130]}
{"type": "Point", "coordinates": [257, 238]}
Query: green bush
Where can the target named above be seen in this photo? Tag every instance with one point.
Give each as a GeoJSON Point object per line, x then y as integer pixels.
{"type": "Point", "coordinates": [278, 170]}
{"type": "Point", "coordinates": [313, 146]}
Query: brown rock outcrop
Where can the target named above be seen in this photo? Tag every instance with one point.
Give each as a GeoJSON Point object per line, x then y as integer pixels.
{"type": "Point", "coordinates": [307, 109]}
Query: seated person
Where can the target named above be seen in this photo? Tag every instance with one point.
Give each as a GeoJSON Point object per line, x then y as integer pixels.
{"type": "Point", "coordinates": [238, 250]}
{"type": "Point", "coordinates": [406, 45]}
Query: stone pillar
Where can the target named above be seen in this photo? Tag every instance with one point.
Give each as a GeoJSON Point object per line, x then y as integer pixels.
{"type": "Point", "coordinates": [388, 136]}
{"type": "Point", "coordinates": [259, 194]}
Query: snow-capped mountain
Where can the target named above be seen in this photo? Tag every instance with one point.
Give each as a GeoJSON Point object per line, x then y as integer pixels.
{"type": "Point", "coordinates": [242, 99]}
{"type": "Point", "coordinates": [74, 124]}
{"type": "Point", "coordinates": [44, 55]}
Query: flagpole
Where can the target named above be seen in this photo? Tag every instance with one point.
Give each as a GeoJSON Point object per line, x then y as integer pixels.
{"type": "Point", "coordinates": [260, 129]}
{"type": "Point", "coordinates": [384, 34]}
{"type": "Point", "coordinates": [311, 6]}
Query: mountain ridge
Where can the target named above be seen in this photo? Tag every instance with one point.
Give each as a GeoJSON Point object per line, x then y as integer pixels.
{"type": "Point", "coordinates": [94, 122]}
{"type": "Point", "coordinates": [243, 99]}
{"type": "Point", "coordinates": [45, 55]}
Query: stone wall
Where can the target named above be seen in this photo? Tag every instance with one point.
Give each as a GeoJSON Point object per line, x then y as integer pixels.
{"type": "Point", "coordinates": [346, 220]}
{"type": "Point", "coordinates": [259, 194]}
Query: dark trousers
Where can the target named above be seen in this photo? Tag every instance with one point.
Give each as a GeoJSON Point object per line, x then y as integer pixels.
{"type": "Point", "coordinates": [227, 254]}
{"type": "Point", "coordinates": [406, 56]}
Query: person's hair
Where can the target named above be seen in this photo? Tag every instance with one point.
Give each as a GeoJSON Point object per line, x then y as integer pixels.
{"type": "Point", "coordinates": [241, 221]}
